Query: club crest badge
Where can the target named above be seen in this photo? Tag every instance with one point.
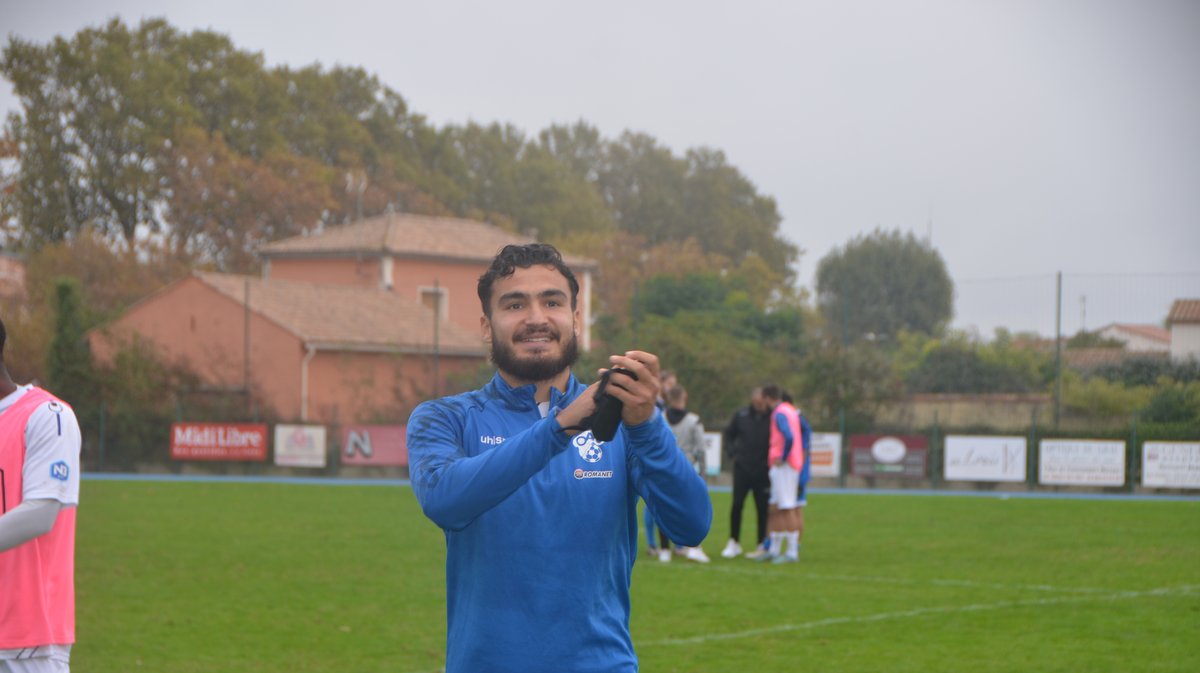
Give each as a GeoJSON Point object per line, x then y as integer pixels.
{"type": "Point", "coordinates": [589, 449]}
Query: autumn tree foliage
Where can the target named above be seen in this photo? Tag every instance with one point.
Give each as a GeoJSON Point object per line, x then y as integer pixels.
{"type": "Point", "coordinates": [141, 131]}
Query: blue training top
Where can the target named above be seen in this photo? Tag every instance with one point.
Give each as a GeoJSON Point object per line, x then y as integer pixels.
{"type": "Point", "coordinates": [541, 528]}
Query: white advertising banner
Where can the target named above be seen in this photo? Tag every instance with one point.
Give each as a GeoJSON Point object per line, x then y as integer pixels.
{"type": "Point", "coordinates": [972, 458]}
{"type": "Point", "coordinates": [1171, 464]}
{"type": "Point", "coordinates": [826, 458]}
{"type": "Point", "coordinates": [300, 445]}
{"type": "Point", "coordinates": [1081, 462]}
{"type": "Point", "coordinates": [712, 453]}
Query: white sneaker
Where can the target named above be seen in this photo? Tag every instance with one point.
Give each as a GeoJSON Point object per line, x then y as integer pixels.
{"type": "Point", "coordinates": [696, 554]}
{"type": "Point", "coordinates": [731, 550]}
{"type": "Point", "coordinates": [664, 555]}
{"type": "Point", "coordinates": [759, 554]}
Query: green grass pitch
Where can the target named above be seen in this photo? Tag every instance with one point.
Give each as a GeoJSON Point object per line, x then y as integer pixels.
{"type": "Point", "coordinates": [227, 577]}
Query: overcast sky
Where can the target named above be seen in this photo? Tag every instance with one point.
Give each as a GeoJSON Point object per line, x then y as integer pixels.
{"type": "Point", "coordinates": [1025, 136]}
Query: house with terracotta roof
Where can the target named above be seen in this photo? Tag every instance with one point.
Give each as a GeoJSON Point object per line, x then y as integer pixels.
{"type": "Point", "coordinates": [435, 261]}
{"type": "Point", "coordinates": [1184, 322]}
{"type": "Point", "coordinates": [316, 352]}
{"type": "Point", "coordinates": [1138, 338]}
{"type": "Point", "coordinates": [355, 324]}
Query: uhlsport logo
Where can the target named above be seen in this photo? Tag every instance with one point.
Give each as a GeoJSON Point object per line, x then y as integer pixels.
{"type": "Point", "coordinates": [60, 471]}
{"type": "Point", "coordinates": [589, 448]}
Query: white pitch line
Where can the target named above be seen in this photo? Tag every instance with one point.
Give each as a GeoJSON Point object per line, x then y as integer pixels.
{"type": "Point", "coordinates": [757, 572]}
{"type": "Point", "coordinates": [919, 612]}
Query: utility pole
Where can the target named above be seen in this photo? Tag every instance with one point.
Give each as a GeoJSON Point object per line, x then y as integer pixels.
{"type": "Point", "coordinates": [1058, 354]}
{"type": "Point", "coordinates": [437, 319]}
{"type": "Point", "coordinates": [246, 343]}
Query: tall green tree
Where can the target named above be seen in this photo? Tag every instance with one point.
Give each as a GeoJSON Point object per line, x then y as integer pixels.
{"type": "Point", "coordinates": [879, 284]}
{"type": "Point", "coordinates": [68, 358]}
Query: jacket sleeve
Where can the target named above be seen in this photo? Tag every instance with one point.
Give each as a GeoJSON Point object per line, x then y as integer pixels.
{"type": "Point", "coordinates": [806, 439]}
{"type": "Point", "coordinates": [729, 436]}
{"type": "Point", "coordinates": [698, 440]}
{"type": "Point", "coordinates": [676, 496]}
{"type": "Point", "coordinates": [453, 488]}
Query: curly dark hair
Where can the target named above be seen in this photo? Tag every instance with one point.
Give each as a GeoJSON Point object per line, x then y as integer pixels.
{"type": "Point", "coordinates": [514, 257]}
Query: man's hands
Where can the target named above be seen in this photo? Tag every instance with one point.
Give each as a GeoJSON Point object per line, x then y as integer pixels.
{"type": "Point", "coordinates": [637, 396]}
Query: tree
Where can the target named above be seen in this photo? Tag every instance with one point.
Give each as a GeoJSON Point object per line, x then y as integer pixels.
{"type": "Point", "coordinates": [856, 380]}
{"type": "Point", "coordinates": [68, 358]}
{"type": "Point", "coordinates": [97, 108]}
{"type": "Point", "coordinates": [10, 157]}
{"type": "Point", "coordinates": [720, 344]}
{"type": "Point", "coordinates": [222, 206]}
{"type": "Point", "coordinates": [882, 283]}
{"type": "Point", "coordinates": [1174, 403]}
{"type": "Point", "coordinates": [723, 209]}
{"type": "Point", "coordinates": [101, 109]}
{"type": "Point", "coordinates": [957, 363]}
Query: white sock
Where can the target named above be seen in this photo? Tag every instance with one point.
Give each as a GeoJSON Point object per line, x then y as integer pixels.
{"type": "Point", "coordinates": [793, 539]}
{"type": "Point", "coordinates": [777, 544]}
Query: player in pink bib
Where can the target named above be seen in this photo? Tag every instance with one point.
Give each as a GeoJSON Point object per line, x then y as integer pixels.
{"type": "Point", "coordinates": [786, 459]}
{"type": "Point", "coordinates": [39, 491]}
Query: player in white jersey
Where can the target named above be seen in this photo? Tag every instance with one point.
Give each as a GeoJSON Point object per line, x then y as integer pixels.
{"type": "Point", "coordinates": [39, 490]}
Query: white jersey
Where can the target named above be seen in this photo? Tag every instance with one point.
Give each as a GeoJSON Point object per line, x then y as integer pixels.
{"type": "Point", "coordinates": [52, 443]}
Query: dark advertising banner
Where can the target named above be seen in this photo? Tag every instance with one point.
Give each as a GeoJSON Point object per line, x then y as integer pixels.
{"type": "Point", "coordinates": [903, 456]}
{"type": "Point", "coordinates": [219, 441]}
{"type": "Point", "coordinates": [382, 445]}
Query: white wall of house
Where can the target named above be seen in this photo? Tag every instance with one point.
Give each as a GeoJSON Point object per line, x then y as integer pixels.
{"type": "Point", "coordinates": [1185, 341]}
{"type": "Point", "coordinates": [1134, 341]}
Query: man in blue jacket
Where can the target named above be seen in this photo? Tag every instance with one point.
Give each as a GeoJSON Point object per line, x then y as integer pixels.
{"type": "Point", "coordinates": [540, 518]}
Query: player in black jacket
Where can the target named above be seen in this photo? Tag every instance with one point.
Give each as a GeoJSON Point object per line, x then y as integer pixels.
{"type": "Point", "coordinates": [745, 441]}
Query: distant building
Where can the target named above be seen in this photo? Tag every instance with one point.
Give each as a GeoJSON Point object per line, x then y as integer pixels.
{"type": "Point", "coordinates": [1184, 323]}
{"type": "Point", "coordinates": [341, 326]}
{"type": "Point", "coordinates": [436, 261]}
{"type": "Point", "coordinates": [313, 352]}
{"type": "Point", "coordinates": [1138, 338]}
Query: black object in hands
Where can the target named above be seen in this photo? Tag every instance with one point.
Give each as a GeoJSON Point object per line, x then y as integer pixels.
{"type": "Point", "coordinates": [604, 420]}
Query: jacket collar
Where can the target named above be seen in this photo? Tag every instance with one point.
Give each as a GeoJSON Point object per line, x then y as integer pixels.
{"type": "Point", "coordinates": [521, 398]}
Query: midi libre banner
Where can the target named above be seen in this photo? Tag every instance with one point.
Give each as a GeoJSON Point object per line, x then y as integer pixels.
{"type": "Point", "coordinates": [245, 442]}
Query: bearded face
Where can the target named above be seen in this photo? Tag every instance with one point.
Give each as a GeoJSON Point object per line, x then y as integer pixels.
{"type": "Point", "coordinates": [532, 328]}
{"type": "Point", "coordinates": [542, 365]}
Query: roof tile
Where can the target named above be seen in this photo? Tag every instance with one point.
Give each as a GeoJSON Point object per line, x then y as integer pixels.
{"type": "Point", "coordinates": [405, 234]}
{"type": "Point", "coordinates": [1184, 311]}
{"type": "Point", "coordinates": [345, 315]}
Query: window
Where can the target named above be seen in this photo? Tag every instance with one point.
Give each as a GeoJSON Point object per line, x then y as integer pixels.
{"type": "Point", "coordinates": [436, 299]}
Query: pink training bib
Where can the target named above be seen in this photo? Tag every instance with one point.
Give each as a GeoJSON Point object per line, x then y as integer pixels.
{"type": "Point", "coordinates": [37, 579]}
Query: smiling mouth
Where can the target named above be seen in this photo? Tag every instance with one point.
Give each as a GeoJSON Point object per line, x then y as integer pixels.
{"type": "Point", "coordinates": [536, 339]}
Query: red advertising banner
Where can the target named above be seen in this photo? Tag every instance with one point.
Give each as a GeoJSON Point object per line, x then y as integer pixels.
{"type": "Point", "coordinates": [905, 456]}
{"type": "Point", "coordinates": [219, 441]}
{"type": "Point", "coordinates": [383, 445]}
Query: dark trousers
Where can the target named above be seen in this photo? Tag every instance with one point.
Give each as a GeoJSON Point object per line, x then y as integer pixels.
{"type": "Point", "coordinates": [758, 483]}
